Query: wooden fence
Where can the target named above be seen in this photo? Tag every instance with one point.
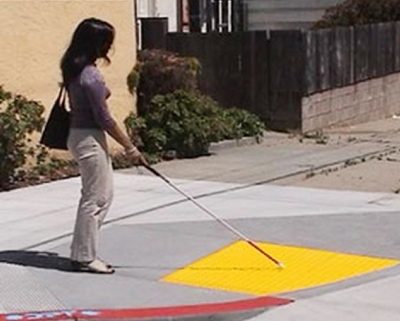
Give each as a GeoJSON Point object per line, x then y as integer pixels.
{"type": "Point", "coordinates": [269, 73]}
{"type": "Point", "coordinates": [343, 56]}
{"type": "Point", "coordinates": [234, 66]}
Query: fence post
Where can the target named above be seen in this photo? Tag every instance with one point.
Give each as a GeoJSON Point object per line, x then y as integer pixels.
{"type": "Point", "coordinates": [154, 33]}
{"type": "Point", "coordinates": [311, 82]}
{"type": "Point", "coordinates": [362, 35]}
{"type": "Point", "coordinates": [396, 47]}
{"type": "Point", "coordinates": [287, 75]}
{"type": "Point", "coordinates": [325, 48]}
{"type": "Point", "coordinates": [255, 72]}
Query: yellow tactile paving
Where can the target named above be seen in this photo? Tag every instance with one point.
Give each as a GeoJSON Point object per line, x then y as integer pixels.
{"type": "Point", "coordinates": [240, 268]}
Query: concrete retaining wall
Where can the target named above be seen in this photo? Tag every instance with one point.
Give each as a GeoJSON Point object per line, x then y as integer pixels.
{"type": "Point", "coordinates": [365, 101]}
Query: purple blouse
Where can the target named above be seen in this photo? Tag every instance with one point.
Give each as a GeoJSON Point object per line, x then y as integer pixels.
{"type": "Point", "coordinates": [87, 96]}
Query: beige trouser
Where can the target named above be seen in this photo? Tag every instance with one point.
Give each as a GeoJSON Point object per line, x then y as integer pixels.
{"type": "Point", "coordinates": [89, 149]}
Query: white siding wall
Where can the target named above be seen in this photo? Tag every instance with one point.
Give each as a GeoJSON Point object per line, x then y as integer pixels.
{"type": "Point", "coordinates": [167, 8]}
{"type": "Point", "coordinates": [285, 14]}
{"type": "Point", "coordinates": [159, 8]}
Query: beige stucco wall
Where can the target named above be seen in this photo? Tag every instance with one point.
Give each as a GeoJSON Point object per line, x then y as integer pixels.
{"type": "Point", "coordinates": [35, 33]}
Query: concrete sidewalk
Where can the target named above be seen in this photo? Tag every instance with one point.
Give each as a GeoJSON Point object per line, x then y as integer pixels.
{"type": "Point", "coordinates": [152, 233]}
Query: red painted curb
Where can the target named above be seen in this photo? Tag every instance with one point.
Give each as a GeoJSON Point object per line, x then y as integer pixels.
{"type": "Point", "coordinates": [175, 311]}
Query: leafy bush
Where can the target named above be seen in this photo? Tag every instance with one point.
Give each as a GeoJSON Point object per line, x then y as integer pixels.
{"type": "Point", "coordinates": [19, 118]}
{"type": "Point", "coordinates": [359, 12]}
{"type": "Point", "coordinates": [175, 119]}
{"type": "Point", "coordinates": [186, 123]}
{"type": "Point", "coordinates": [160, 72]}
{"type": "Point", "coordinates": [243, 123]}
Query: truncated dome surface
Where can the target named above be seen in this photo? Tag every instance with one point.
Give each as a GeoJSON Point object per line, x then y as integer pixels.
{"type": "Point", "coordinates": [240, 268]}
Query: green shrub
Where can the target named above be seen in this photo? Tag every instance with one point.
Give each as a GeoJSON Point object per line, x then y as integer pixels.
{"type": "Point", "coordinates": [243, 123]}
{"type": "Point", "coordinates": [186, 123]}
{"type": "Point", "coordinates": [174, 122]}
{"type": "Point", "coordinates": [160, 72]}
{"type": "Point", "coordinates": [359, 12]}
{"type": "Point", "coordinates": [174, 118]}
{"type": "Point", "coordinates": [19, 118]}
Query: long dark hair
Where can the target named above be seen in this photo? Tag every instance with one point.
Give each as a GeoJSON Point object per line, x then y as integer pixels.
{"type": "Point", "coordinates": [91, 40]}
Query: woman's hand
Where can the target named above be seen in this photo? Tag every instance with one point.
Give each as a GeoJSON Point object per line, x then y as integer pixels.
{"type": "Point", "coordinates": [136, 157]}
{"type": "Point", "coordinates": [131, 152]}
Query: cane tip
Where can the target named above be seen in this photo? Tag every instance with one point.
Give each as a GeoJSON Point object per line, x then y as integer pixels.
{"type": "Point", "coordinates": [281, 265]}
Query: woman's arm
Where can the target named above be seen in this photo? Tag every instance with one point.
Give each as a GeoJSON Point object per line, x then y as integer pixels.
{"type": "Point", "coordinates": [96, 93]}
{"type": "Point", "coordinates": [120, 137]}
{"type": "Point", "coordinates": [130, 150]}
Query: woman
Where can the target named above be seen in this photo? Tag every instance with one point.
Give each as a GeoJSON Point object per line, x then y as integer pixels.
{"type": "Point", "coordinates": [90, 121]}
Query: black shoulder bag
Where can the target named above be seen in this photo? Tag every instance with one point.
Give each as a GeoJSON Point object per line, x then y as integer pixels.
{"type": "Point", "coordinates": [56, 130]}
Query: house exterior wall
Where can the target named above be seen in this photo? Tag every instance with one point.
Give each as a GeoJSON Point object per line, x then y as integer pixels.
{"type": "Point", "coordinates": [35, 33]}
{"type": "Point", "coordinates": [285, 14]}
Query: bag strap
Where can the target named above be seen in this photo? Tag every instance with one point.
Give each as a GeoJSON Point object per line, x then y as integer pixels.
{"type": "Point", "coordinates": [62, 96]}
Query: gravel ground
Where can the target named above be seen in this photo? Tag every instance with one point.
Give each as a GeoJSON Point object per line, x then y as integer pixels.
{"type": "Point", "coordinates": [377, 173]}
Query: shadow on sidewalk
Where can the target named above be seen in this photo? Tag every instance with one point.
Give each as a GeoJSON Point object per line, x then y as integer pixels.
{"type": "Point", "coordinates": [44, 260]}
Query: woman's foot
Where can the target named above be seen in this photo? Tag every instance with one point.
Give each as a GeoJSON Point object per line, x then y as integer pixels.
{"type": "Point", "coordinates": [95, 266]}
{"type": "Point", "coordinates": [107, 264]}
